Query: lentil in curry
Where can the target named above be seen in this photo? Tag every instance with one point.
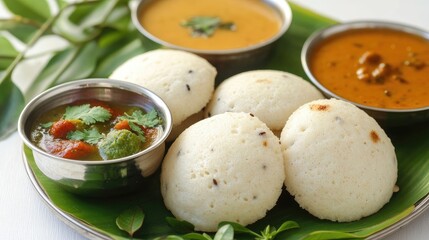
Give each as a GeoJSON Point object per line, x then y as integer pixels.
{"type": "Point", "coordinates": [375, 67]}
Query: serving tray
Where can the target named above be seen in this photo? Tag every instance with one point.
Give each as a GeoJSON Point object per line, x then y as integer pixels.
{"type": "Point", "coordinates": [95, 217]}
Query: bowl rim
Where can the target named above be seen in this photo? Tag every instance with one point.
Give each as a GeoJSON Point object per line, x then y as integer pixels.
{"type": "Point", "coordinates": [281, 6]}
{"type": "Point", "coordinates": [339, 28]}
{"type": "Point", "coordinates": [95, 83]}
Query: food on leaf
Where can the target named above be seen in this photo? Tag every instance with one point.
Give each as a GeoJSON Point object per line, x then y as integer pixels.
{"type": "Point", "coordinates": [340, 165]}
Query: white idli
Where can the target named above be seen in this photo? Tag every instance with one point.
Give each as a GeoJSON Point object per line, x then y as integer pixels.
{"type": "Point", "coordinates": [225, 168]}
{"type": "Point", "coordinates": [270, 95]}
{"type": "Point", "coordinates": [339, 164]}
{"type": "Point", "coordinates": [183, 80]}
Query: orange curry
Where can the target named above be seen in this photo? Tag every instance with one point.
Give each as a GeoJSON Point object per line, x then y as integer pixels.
{"type": "Point", "coordinates": [251, 22]}
{"type": "Point", "coordinates": [375, 67]}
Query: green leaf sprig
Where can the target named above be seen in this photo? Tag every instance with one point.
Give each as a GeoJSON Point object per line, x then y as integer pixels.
{"type": "Point", "coordinates": [99, 33]}
{"type": "Point", "coordinates": [130, 220]}
{"type": "Point", "coordinates": [269, 233]}
{"type": "Point", "coordinates": [225, 230]}
{"type": "Point", "coordinates": [91, 136]}
{"type": "Point", "coordinates": [205, 26]}
{"type": "Point", "coordinates": [138, 118]}
{"type": "Point", "coordinates": [86, 113]}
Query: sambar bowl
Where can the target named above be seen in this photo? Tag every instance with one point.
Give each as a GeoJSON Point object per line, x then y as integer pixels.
{"type": "Point", "coordinates": [100, 177]}
{"type": "Point", "coordinates": [385, 116]}
{"type": "Point", "coordinates": [227, 61]}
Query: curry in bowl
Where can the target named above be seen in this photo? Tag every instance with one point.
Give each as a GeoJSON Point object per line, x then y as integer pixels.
{"type": "Point", "coordinates": [95, 130]}
{"type": "Point", "coordinates": [380, 67]}
{"type": "Point", "coordinates": [211, 25]}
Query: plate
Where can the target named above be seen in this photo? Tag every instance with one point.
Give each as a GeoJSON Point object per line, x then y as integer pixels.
{"type": "Point", "coordinates": [64, 205]}
{"type": "Point", "coordinates": [95, 217]}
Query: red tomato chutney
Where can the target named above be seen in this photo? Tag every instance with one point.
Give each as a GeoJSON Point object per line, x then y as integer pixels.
{"type": "Point", "coordinates": [375, 67]}
{"type": "Point", "coordinates": [95, 130]}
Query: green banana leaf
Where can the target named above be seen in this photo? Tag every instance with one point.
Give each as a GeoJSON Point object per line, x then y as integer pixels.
{"type": "Point", "coordinates": [412, 148]}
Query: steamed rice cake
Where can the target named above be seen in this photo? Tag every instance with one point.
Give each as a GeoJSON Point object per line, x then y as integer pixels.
{"type": "Point", "coordinates": [183, 80]}
{"type": "Point", "coordinates": [225, 168]}
{"type": "Point", "coordinates": [339, 164]}
{"type": "Point", "coordinates": [270, 95]}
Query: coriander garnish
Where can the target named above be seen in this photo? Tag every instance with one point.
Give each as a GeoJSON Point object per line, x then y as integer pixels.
{"type": "Point", "coordinates": [86, 113]}
{"type": "Point", "coordinates": [91, 136]}
{"type": "Point", "coordinates": [204, 26]}
{"type": "Point", "coordinates": [138, 118]}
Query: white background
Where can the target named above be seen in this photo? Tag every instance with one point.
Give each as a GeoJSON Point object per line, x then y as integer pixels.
{"type": "Point", "coordinates": [23, 215]}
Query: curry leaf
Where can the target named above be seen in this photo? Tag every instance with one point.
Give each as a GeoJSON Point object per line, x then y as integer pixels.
{"type": "Point", "coordinates": [82, 66]}
{"type": "Point", "coordinates": [6, 48]}
{"type": "Point", "coordinates": [52, 71]}
{"type": "Point", "coordinates": [130, 220]}
{"type": "Point", "coordinates": [180, 226]}
{"type": "Point", "coordinates": [116, 54]}
{"type": "Point", "coordinates": [69, 64]}
{"type": "Point", "coordinates": [119, 19]}
{"type": "Point", "coordinates": [90, 22]}
{"type": "Point", "coordinates": [22, 29]}
{"type": "Point", "coordinates": [226, 232]}
{"type": "Point", "coordinates": [38, 11]}
{"type": "Point", "coordinates": [11, 103]}
{"type": "Point", "coordinates": [62, 3]}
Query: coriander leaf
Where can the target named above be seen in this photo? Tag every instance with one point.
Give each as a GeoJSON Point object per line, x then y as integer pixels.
{"type": "Point", "coordinates": [130, 220]}
{"type": "Point", "coordinates": [204, 26]}
{"type": "Point", "coordinates": [87, 114]}
{"type": "Point", "coordinates": [138, 130]}
{"type": "Point", "coordinates": [46, 125]}
{"type": "Point", "coordinates": [150, 119]}
{"type": "Point", "coordinates": [91, 136]}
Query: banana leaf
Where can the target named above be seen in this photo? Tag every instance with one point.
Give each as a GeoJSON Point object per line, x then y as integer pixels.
{"type": "Point", "coordinates": [411, 143]}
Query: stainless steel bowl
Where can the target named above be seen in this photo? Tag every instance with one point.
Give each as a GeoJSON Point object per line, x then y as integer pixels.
{"type": "Point", "coordinates": [385, 117]}
{"type": "Point", "coordinates": [97, 178]}
{"type": "Point", "coordinates": [227, 62]}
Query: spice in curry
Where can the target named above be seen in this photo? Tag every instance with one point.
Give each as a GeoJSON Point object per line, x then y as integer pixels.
{"type": "Point", "coordinates": [375, 67]}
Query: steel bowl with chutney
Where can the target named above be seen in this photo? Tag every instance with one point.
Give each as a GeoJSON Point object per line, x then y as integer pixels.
{"type": "Point", "coordinates": [234, 36]}
{"type": "Point", "coordinates": [63, 158]}
{"type": "Point", "coordinates": [381, 67]}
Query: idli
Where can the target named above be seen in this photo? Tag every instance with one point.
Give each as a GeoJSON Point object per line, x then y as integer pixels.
{"type": "Point", "coordinates": [270, 95]}
{"type": "Point", "coordinates": [225, 168]}
{"type": "Point", "coordinates": [339, 163]}
{"type": "Point", "coordinates": [183, 80]}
